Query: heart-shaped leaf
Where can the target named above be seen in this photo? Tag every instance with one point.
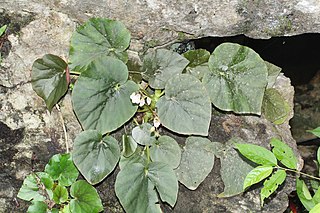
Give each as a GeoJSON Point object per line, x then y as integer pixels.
{"type": "Point", "coordinates": [185, 108]}
{"type": "Point", "coordinates": [237, 79]}
{"type": "Point", "coordinates": [166, 150]}
{"type": "Point", "coordinates": [142, 134]}
{"type": "Point", "coordinates": [161, 65]}
{"type": "Point", "coordinates": [85, 198]}
{"type": "Point", "coordinates": [48, 79]}
{"type": "Point", "coordinates": [101, 95]}
{"type": "Point", "coordinates": [284, 153]}
{"type": "Point", "coordinates": [274, 106]}
{"type": "Point", "coordinates": [60, 194]}
{"type": "Point", "coordinates": [135, 187]}
{"type": "Point", "coordinates": [196, 162]}
{"type": "Point", "coordinates": [30, 190]}
{"type": "Point", "coordinates": [98, 37]}
{"type": "Point", "coordinates": [95, 156]}
{"type": "Point", "coordinates": [61, 168]}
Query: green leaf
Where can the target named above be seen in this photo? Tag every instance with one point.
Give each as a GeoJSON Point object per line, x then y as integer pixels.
{"type": "Point", "coordinates": [256, 175]}
{"type": "Point", "coordinates": [37, 207]}
{"type": "Point", "coordinates": [101, 95]}
{"type": "Point", "coordinates": [318, 157]}
{"type": "Point", "coordinates": [45, 179]}
{"type": "Point", "coordinates": [129, 145]}
{"type": "Point", "coordinates": [97, 38]}
{"type": "Point", "coordinates": [284, 153]}
{"type": "Point", "coordinates": [270, 185]}
{"type": "Point", "coordinates": [315, 209]}
{"type": "Point", "coordinates": [234, 168]}
{"type": "Point", "coordinates": [316, 196]}
{"type": "Point", "coordinates": [134, 187]}
{"type": "Point", "coordinates": [166, 150]}
{"type": "Point", "coordinates": [196, 162]}
{"type": "Point", "coordinates": [54, 210]}
{"type": "Point", "coordinates": [185, 108]}
{"type": "Point", "coordinates": [3, 29]}
{"type": "Point", "coordinates": [315, 131]}
{"type": "Point", "coordinates": [237, 79]}
{"type": "Point", "coordinates": [304, 194]}
{"type": "Point", "coordinates": [60, 194]}
{"type": "Point", "coordinates": [61, 168]}
{"type": "Point", "coordinates": [138, 156]}
{"type": "Point", "coordinates": [257, 154]}
{"type": "Point", "coordinates": [66, 209]}
{"type": "Point", "coordinates": [274, 106]}
{"type": "Point", "coordinates": [142, 134]}
{"type": "Point", "coordinates": [161, 65]}
{"type": "Point", "coordinates": [95, 156]}
{"type": "Point", "coordinates": [198, 65]}
{"type": "Point", "coordinates": [48, 79]}
{"type": "Point", "coordinates": [30, 190]}
{"type": "Point", "coordinates": [273, 73]}
{"type": "Point", "coordinates": [85, 198]}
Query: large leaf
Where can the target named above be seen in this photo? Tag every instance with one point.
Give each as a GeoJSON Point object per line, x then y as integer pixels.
{"type": "Point", "coordinates": [85, 198]}
{"type": "Point", "coordinates": [284, 153]}
{"type": "Point", "coordinates": [62, 169]}
{"type": "Point", "coordinates": [234, 168]}
{"type": "Point", "coordinates": [274, 106]}
{"type": "Point", "coordinates": [256, 175]}
{"type": "Point", "coordinates": [101, 95]}
{"type": "Point", "coordinates": [30, 189]}
{"type": "Point", "coordinates": [196, 162]}
{"type": "Point", "coordinates": [37, 207]}
{"type": "Point", "coordinates": [185, 108]}
{"type": "Point", "coordinates": [304, 194]}
{"type": "Point", "coordinates": [270, 185]}
{"type": "Point", "coordinates": [143, 135]}
{"type": "Point", "coordinates": [161, 65]}
{"type": "Point", "coordinates": [135, 187]}
{"type": "Point", "coordinates": [166, 150]}
{"type": "Point", "coordinates": [48, 79]}
{"type": "Point", "coordinates": [237, 79]}
{"type": "Point", "coordinates": [95, 156]}
{"type": "Point", "coordinates": [257, 154]}
{"type": "Point", "coordinates": [273, 73]}
{"type": "Point", "coordinates": [98, 37]}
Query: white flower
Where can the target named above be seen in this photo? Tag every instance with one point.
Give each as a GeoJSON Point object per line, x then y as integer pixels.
{"type": "Point", "coordinates": [142, 102]}
{"type": "Point", "coordinates": [156, 122]}
{"type": "Point", "coordinates": [135, 98]}
{"type": "Point", "coordinates": [148, 100]}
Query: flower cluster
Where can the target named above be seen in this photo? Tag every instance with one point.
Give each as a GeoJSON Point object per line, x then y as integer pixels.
{"type": "Point", "coordinates": [137, 98]}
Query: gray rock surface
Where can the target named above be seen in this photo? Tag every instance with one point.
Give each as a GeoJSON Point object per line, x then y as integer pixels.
{"type": "Point", "coordinates": [30, 135]}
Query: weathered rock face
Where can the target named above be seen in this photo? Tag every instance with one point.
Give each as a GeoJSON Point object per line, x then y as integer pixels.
{"type": "Point", "coordinates": [30, 135]}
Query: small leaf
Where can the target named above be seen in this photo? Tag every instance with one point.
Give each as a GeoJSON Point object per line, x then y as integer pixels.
{"type": "Point", "coordinates": [198, 65]}
{"type": "Point", "coordinates": [270, 185]}
{"type": "Point", "coordinates": [45, 179]}
{"type": "Point", "coordinates": [315, 209]}
{"type": "Point", "coordinates": [161, 65]}
{"type": "Point", "coordinates": [3, 29]}
{"type": "Point", "coordinates": [95, 156]}
{"type": "Point", "coordinates": [315, 131]}
{"type": "Point", "coordinates": [37, 207]}
{"type": "Point", "coordinates": [274, 106]}
{"type": "Point", "coordinates": [304, 195]}
{"type": "Point", "coordinates": [101, 95]}
{"type": "Point", "coordinates": [85, 198]}
{"type": "Point", "coordinates": [196, 162]}
{"type": "Point", "coordinates": [257, 154]}
{"type": "Point", "coordinates": [166, 150]}
{"type": "Point", "coordinates": [61, 168]}
{"type": "Point", "coordinates": [135, 191]}
{"type": "Point", "coordinates": [97, 38]}
{"type": "Point", "coordinates": [256, 175]}
{"type": "Point", "coordinates": [60, 194]}
{"type": "Point", "coordinates": [273, 73]}
{"type": "Point", "coordinates": [129, 145]}
{"type": "Point", "coordinates": [316, 196]}
{"type": "Point", "coordinates": [30, 190]}
{"type": "Point", "coordinates": [237, 79]}
{"type": "Point", "coordinates": [48, 79]}
{"type": "Point", "coordinates": [185, 108]}
{"type": "Point", "coordinates": [142, 134]}
{"type": "Point", "coordinates": [284, 153]}
{"type": "Point", "coordinates": [138, 156]}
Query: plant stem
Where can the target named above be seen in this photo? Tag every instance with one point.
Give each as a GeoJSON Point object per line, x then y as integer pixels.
{"type": "Point", "coordinates": [75, 72]}
{"type": "Point", "coordinates": [64, 128]}
{"type": "Point", "coordinates": [298, 172]}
